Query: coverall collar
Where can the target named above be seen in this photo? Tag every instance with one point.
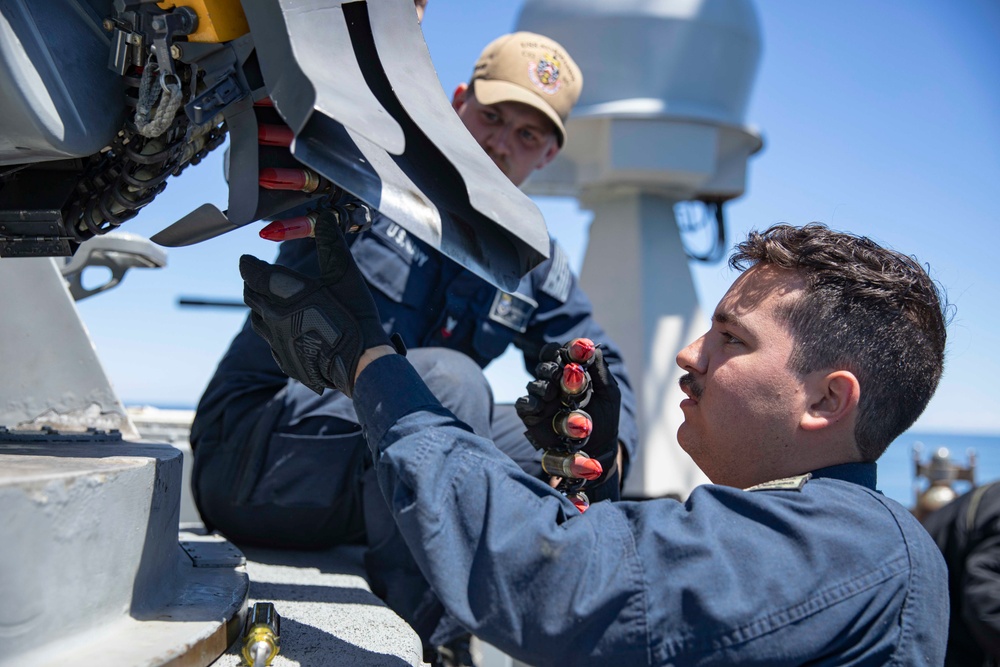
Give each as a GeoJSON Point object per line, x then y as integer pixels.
{"type": "Point", "coordinates": [864, 474]}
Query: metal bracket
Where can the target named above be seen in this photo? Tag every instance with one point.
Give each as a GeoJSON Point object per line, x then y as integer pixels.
{"type": "Point", "coordinates": [117, 251]}
{"type": "Point", "coordinates": [211, 551]}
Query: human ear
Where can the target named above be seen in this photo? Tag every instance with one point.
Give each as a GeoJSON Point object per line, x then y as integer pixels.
{"type": "Point", "coordinates": [831, 398]}
{"type": "Point", "coordinates": [458, 97]}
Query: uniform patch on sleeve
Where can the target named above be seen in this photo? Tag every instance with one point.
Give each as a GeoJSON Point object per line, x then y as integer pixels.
{"type": "Point", "coordinates": [785, 484]}
{"type": "Point", "coordinates": [560, 279]}
{"type": "Point", "coordinates": [512, 310]}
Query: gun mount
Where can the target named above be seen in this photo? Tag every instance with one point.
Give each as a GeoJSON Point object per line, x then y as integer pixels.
{"type": "Point", "coordinates": [105, 100]}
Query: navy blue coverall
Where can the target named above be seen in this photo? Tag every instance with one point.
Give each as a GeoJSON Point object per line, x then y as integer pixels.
{"type": "Point", "coordinates": [824, 571]}
{"type": "Point", "coordinates": [277, 465]}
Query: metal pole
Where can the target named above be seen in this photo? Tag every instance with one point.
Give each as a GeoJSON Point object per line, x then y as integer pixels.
{"type": "Point", "coordinates": [636, 274]}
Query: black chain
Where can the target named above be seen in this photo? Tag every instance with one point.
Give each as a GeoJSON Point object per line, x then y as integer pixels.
{"type": "Point", "coordinates": [118, 182]}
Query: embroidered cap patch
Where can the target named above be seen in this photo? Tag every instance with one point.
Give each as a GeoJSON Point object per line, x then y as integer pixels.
{"type": "Point", "coordinates": [545, 74]}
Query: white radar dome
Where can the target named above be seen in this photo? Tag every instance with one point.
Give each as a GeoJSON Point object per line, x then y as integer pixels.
{"type": "Point", "coordinates": [666, 87]}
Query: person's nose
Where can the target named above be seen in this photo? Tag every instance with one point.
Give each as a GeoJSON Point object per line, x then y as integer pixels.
{"type": "Point", "coordinates": [692, 358]}
{"type": "Point", "coordinates": [499, 140]}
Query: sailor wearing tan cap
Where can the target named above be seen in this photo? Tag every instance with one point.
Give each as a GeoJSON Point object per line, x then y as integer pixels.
{"type": "Point", "coordinates": [302, 466]}
{"type": "Point", "coordinates": [523, 87]}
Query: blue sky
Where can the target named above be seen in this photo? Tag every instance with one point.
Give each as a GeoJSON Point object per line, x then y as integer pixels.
{"type": "Point", "coordinates": [881, 118]}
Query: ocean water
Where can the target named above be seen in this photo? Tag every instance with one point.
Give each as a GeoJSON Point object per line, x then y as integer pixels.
{"type": "Point", "coordinates": [896, 468]}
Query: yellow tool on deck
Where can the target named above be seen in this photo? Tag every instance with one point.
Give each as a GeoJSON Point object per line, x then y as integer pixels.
{"type": "Point", "coordinates": [261, 635]}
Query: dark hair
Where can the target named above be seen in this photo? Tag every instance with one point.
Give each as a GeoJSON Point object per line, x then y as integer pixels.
{"type": "Point", "coordinates": [866, 309]}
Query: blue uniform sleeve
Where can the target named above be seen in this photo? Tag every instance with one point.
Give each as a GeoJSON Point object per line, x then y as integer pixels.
{"type": "Point", "coordinates": [564, 312]}
{"type": "Point", "coordinates": [758, 578]}
{"type": "Point", "coordinates": [554, 588]}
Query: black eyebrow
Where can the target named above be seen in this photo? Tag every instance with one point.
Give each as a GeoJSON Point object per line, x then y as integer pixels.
{"type": "Point", "coordinates": [728, 318]}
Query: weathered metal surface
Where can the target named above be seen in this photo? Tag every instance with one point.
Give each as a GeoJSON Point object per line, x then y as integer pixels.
{"type": "Point", "coordinates": [91, 568]}
{"type": "Point", "coordinates": [52, 376]}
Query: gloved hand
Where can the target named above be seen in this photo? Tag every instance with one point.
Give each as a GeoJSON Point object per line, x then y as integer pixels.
{"type": "Point", "coordinates": [317, 330]}
{"type": "Point", "coordinates": [602, 401]}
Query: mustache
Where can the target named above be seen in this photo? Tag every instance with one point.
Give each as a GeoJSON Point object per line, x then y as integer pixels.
{"type": "Point", "coordinates": [687, 382]}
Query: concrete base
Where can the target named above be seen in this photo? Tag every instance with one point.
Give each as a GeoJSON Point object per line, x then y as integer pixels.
{"type": "Point", "coordinates": [91, 568]}
{"type": "Point", "coordinates": [174, 428]}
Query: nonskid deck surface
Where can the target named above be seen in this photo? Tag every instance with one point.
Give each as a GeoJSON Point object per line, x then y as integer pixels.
{"type": "Point", "coordinates": [329, 616]}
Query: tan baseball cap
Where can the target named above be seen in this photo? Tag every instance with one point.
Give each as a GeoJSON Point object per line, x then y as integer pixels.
{"type": "Point", "coordinates": [531, 69]}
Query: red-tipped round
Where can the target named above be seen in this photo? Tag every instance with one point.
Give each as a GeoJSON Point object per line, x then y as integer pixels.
{"type": "Point", "coordinates": [579, 425]}
{"type": "Point", "coordinates": [579, 499]}
{"type": "Point", "coordinates": [299, 227]}
{"type": "Point", "coordinates": [584, 467]}
{"type": "Point", "coordinates": [303, 180]}
{"type": "Point", "coordinates": [275, 135]}
{"type": "Point", "coordinates": [573, 380]}
{"type": "Point", "coordinates": [576, 424]}
{"type": "Point", "coordinates": [581, 350]}
{"type": "Point", "coordinates": [573, 466]}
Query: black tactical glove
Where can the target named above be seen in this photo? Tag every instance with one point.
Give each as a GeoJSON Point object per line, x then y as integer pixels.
{"type": "Point", "coordinates": [546, 401]}
{"type": "Point", "coordinates": [317, 330]}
